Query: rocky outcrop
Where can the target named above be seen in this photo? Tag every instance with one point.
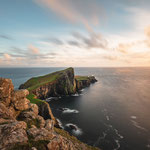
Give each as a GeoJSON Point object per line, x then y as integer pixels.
{"type": "Point", "coordinates": [12, 133]}
{"type": "Point", "coordinates": [82, 82]}
{"type": "Point", "coordinates": [22, 128]}
{"type": "Point", "coordinates": [57, 84]}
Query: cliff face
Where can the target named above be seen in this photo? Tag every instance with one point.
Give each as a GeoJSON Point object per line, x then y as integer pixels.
{"type": "Point", "coordinates": [84, 81]}
{"type": "Point", "coordinates": [22, 128]}
{"type": "Point", "coordinates": [56, 84]}
{"type": "Point", "coordinates": [63, 85]}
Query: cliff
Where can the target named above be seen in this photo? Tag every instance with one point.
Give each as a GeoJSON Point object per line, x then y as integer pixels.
{"type": "Point", "coordinates": [57, 84]}
{"type": "Point", "coordinates": [22, 128]}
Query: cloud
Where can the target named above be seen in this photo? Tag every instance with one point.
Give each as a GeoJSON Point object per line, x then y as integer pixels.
{"type": "Point", "coordinates": [33, 49]}
{"type": "Point", "coordinates": [92, 40]}
{"type": "Point", "coordinates": [6, 37]}
{"type": "Point", "coordinates": [86, 12]}
{"type": "Point", "coordinates": [55, 41]}
{"type": "Point", "coordinates": [74, 43]}
{"type": "Point", "coordinates": [7, 56]}
{"type": "Point", "coordinates": [110, 57]}
{"type": "Point", "coordinates": [147, 33]}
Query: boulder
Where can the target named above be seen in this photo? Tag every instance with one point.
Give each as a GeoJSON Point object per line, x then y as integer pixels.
{"type": "Point", "coordinates": [40, 134]}
{"type": "Point", "coordinates": [5, 112]}
{"type": "Point", "coordinates": [34, 108]}
{"type": "Point", "coordinates": [6, 90]}
{"type": "Point", "coordinates": [12, 133]}
{"type": "Point", "coordinates": [49, 125]}
{"type": "Point", "coordinates": [20, 101]}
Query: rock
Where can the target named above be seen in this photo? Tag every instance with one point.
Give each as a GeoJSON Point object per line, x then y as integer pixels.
{"type": "Point", "coordinates": [34, 108]}
{"type": "Point", "coordinates": [6, 89]}
{"type": "Point", "coordinates": [26, 115]}
{"type": "Point", "coordinates": [60, 143]}
{"type": "Point", "coordinates": [49, 125]}
{"type": "Point", "coordinates": [5, 112]}
{"type": "Point", "coordinates": [45, 111]}
{"type": "Point", "coordinates": [40, 134]}
{"type": "Point", "coordinates": [32, 131]}
{"type": "Point", "coordinates": [73, 127]}
{"type": "Point", "coordinates": [41, 121]}
{"type": "Point", "coordinates": [30, 113]}
{"type": "Point", "coordinates": [20, 101]}
{"type": "Point", "coordinates": [84, 81]}
{"type": "Point", "coordinates": [12, 133]}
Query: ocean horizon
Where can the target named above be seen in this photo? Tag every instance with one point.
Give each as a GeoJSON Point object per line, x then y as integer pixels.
{"type": "Point", "coordinates": [112, 114]}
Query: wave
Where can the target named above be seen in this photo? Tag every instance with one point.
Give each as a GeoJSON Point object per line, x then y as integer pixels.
{"type": "Point", "coordinates": [133, 117]}
{"type": "Point", "coordinates": [118, 145]}
{"type": "Point", "coordinates": [74, 129]}
{"type": "Point", "coordinates": [138, 126]}
{"type": "Point", "coordinates": [52, 98]}
{"type": "Point", "coordinates": [68, 110]}
{"type": "Point", "coordinates": [77, 94]}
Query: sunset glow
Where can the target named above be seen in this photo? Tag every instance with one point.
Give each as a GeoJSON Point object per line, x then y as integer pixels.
{"type": "Point", "coordinates": [87, 33]}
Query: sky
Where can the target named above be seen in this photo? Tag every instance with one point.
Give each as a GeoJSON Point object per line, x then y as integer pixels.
{"type": "Point", "coordinates": [77, 33]}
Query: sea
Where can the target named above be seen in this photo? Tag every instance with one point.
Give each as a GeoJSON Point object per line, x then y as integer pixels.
{"type": "Point", "coordinates": [112, 114]}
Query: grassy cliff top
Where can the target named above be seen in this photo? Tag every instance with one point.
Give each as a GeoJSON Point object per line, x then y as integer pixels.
{"type": "Point", "coordinates": [81, 78]}
{"type": "Point", "coordinates": [35, 82]}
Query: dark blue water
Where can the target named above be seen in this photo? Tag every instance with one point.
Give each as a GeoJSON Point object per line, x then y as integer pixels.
{"type": "Point", "coordinates": [113, 114]}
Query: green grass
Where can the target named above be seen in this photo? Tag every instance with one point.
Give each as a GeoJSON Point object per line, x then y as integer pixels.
{"type": "Point", "coordinates": [35, 82]}
{"type": "Point", "coordinates": [80, 78]}
{"type": "Point", "coordinates": [34, 100]}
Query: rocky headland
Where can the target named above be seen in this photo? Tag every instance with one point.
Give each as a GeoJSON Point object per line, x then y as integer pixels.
{"type": "Point", "coordinates": [27, 122]}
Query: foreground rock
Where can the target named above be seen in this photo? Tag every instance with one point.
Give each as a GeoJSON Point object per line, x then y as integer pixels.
{"type": "Point", "coordinates": [22, 128]}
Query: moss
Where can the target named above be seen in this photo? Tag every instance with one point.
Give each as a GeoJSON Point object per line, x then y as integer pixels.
{"type": "Point", "coordinates": [35, 82]}
{"type": "Point", "coordinates": [34, 100]}
{"type": "Point", "coordinates": [35, 122]}
{"type": "Point", "coordinates": [4, 123]}
{"type": "Point", "coordinates": [73, 139]}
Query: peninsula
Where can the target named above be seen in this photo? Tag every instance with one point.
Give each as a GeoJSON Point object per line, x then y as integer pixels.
{"type": "Point", "coordinates": [27, 122]}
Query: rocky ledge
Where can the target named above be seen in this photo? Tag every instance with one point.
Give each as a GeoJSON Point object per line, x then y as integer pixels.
{"type": "Point", "coordinates": [22, 128]}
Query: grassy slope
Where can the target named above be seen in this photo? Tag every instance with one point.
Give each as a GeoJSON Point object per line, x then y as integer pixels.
{"type": "Point", "coordinates": [80, 78]}
{"type": "Point", "coordinates": [35, 82]}
{"type": "Point", "coordinates": [34, 100]}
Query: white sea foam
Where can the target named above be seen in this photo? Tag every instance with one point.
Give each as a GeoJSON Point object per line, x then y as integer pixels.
{"type": "Point", "coordinates": [119, 135]}
{"type": "Point", "coordinates": [76, 131]}
{"type": "Point", "coordinates": [82, 90]}
{"type": "Point", "coordinates": [67, 110]}
{"type": "Point", "coordinates": [133, 117]}
{"type": "Point", "coordinates": [138, 126]}
{"type": "Point", "coordinates": [107, 117]}
{"type": "Point", "coordinates": [118, 145]}
{"type": "Point", "coordinates": [52, 98]}
{"type": "Point", "coordinates": [59, 123]}
{"type": "Point", "coordinates": [76, 94]}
